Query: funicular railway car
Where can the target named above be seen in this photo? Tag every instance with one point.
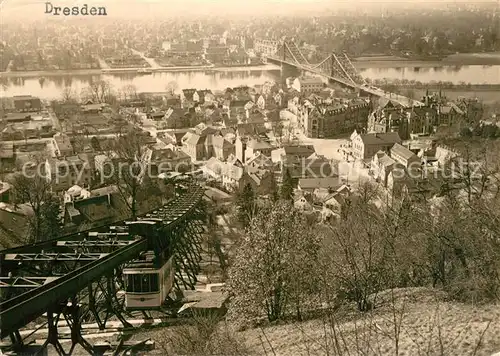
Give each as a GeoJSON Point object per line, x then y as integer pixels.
{"type": "Point", "coordinates": [147, 285]}
{"type": "Point", "coordinates": [150, 278]}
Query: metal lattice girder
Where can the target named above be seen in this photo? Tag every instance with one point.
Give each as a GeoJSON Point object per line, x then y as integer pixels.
{"type": "Point", "coordinates": [100, 235]}
{"type": "Point", "coordinates": [336, 70]}
{"type": "Point", "coordinates": [187, 252]}
{"type": "Point", "coordinates": [353, 72]}
{"type": "Point", "coordinates": [279, 52]}
{"type": "Point", "coordinates": [186, 264]}
{"type": "Point", "coordinates": [342, 69]}
{"type": "Point", "coordinates": [184, 205]}
{"type": "Point", "coordinates": [53, 256]}
{"type": "Point", "coordinates": [49, 245]}
{"type": "Point", "coordinates": [24, 282]}
{"type": "Point", "coordinates": [296, 55]}
{"type": "Point", "coordinates": [20, 310]}
{"type": "Point", "coordinates": [100, 302]}
{"type": "Point", "coordinates": [151, 217]}
{"type": "Point", "coordinates": [331, 68]}
{"type": "Point", "coordinates": [95, 243]}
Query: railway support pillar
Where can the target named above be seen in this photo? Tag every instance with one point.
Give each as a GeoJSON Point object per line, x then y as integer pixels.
{"type": "Point", "coordinates": [73, 319]}
{"type": "Point", "coordinates": [53, 335]}
{"type": "Point", "coordinates": [16, 339]}
{"type": "Point", "coordinates": [70, 311]}
{"type": "Point", "coordinates": [103, 301]}
{"type": "Point", "coordinates": [115, 306]}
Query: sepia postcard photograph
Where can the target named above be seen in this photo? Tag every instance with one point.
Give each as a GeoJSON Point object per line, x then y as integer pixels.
{"type": "Point", "coordinates": [250, 177]}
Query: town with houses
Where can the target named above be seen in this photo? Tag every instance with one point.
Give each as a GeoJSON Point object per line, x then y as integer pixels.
{"type": "Point", "coordinates": [233, 138]}
{"type": "Point", "coordinates": [54, 50]}
{"type": "Point", "coordinates": [245, 178]}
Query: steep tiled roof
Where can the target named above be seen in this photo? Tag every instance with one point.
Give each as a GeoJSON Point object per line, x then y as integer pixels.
{"type": "Point", "coordinates": [220, 141]}
{"type": "Point", "coordinates": [312, 183]}
{"type": "Point", "coordinates": [310, 80]}
{"type": "Point", "coordinates": [315, 167]}
{"type": "Point", "coordinates": [402, 151]}
{"type": "Point", "coordinates": [165, 154]}
{"type": "Point", "coordinates": [195, 139]}
{"type": "Point", "coordinates": [6, 150]}
{"type": "Point", "coordinates": [386, 161]}
{"type": "Point", "coordinates": [95, 208]}
{"type": "Point", "coordinates": [209, 140]}
{"type": "Point", "coordinates": [385, 102]}
{"type": "Point", "coordinates": [226, 130]}
{"type": "Point", "coordinates": [258, 145]}
{"type": "Point", "coordinates": [13, 229]}
{"type": "Point", "coordinates": [260, 161]}
{"type": "Point", "coordinates": [63, 142]}
{"type": "Point", "coordinates": [174, 113]}
{"type": "Point", "coordinates": [251, 129]}
{"type": "Point", "coordinates": [256, 117]}
{"type": "Point", "coordinates": [203, 92]}
{"type": "Point", "coordinates": [300, 151]}
{"type": "Point", "coordinates": [233, 171]}
{"type": "Point", "coordinates": [257, 175]}
{"type": "Point", "coordinates": [381, 138]}
{"type": "Point", "coordinates": [215, 165]}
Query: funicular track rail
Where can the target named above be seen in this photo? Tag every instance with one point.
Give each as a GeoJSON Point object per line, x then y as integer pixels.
{"type": "Point", "coordinates": [21, 309]}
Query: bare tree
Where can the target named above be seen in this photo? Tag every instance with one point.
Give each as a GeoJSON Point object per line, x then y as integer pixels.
{"type": "Point", "coordinates": [367, 250]}
{"type": "Point", "coordinates": [353, 256]}
{"type": "Point", "coordinates": [273, 274]}
{"type": "Point", "coordinates": [463, 250]}
{"type": "Point", "coordinates": [172, 87]}
{"type": "Point", "coordinates": [410, 94]}
{"type": "Point", "coordinates": [99, 91]}
{"type": "Point", "coordinates": [131, 173]}
{"type": "Point", "coordinates": [79, 139]}
{"type": "Point", "coordinates": [130, 92]}
{"type": "Point", "coordinates": [68, 95]}
{"type": "Point", "coordinates": [246, 206]}
{"type": "Point", "coordinates": [475, 169]}
{"type": "Point", "coordinates": [34, 189]}
{"type": "Point", "coordinates": [207, 335]}
{"type": "Point", "coordinates": [213, 239]}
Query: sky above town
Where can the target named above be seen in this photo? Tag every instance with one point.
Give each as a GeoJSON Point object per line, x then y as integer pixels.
{"type": "Point", "coordinates": [169, 8]}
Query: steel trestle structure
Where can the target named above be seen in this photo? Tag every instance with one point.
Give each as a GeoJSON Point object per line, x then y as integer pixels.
{"type": "Point", "coordinates": [337, 67]}
{"type": "Point", "coordinates": [77, 278]}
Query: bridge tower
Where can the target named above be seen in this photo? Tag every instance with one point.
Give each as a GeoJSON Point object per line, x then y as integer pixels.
{"type": "Point", "coordinates": [336, 67]}
{"type": "Point", "coordinates": [288, 69]}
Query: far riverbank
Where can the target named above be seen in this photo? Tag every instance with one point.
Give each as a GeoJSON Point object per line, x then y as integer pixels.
{"type": "Point", "coordinates": [488, 97]}
{"type": "Point", "coordinates": [86, 72]}
{"type": "Point", "coordinates": [397, 63]}
{"type": "Point", "coordinates": [365, 62]}
{"type": "Point", "coordinates": [459, 59]}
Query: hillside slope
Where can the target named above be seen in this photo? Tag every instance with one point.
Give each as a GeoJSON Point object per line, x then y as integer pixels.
{"type": "Point", "coordinates": [429, 325]}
